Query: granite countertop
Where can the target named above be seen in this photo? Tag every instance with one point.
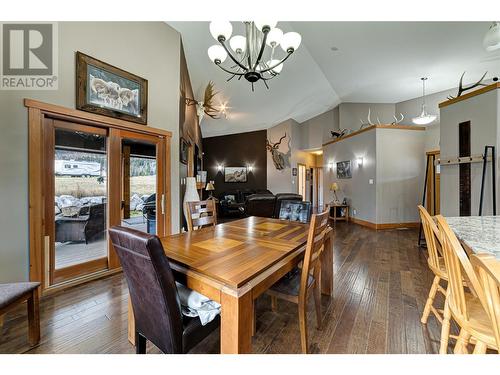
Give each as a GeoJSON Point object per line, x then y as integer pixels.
{"type": "Point", "coordinates": [480, 233]}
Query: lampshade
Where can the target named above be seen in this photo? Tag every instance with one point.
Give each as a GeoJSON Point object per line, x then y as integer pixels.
{"type": "Point", "coordinates": [238, 43]}
{"type": "Point", "coordinates": [217, 53]}
{"type": "Point", "coordinates": [210, 186]}
{"type": "Point", "coordinates": [290, 41]}
{"type": "Point", "coordinates": [334, 186]}
{"type": "Point", "coordinates": [221, 28]}
{"type": "Point", "coordinates": [424, 118]}
{"type": "Point", "coordinates": [261, 24]}
{"type": "Point", "coordinates": [491, 41]}
{"type": "Point", "coordinates": [274, 37]}
{"type": "Point", "coordinates": [278, 68]}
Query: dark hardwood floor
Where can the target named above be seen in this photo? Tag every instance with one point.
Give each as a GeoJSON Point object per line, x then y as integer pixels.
{"type": "Point", "coordinates": [381, 285]}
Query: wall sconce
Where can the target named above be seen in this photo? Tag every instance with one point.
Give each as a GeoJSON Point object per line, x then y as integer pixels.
{"type": "Point", "coordinates": [219, 167]}
{"type": "Point", "coordinates": [360, 162]}
{"type": "Point", "coordinates": [250, 168]}
{"type": "Point", "coordinates": [330, 166]}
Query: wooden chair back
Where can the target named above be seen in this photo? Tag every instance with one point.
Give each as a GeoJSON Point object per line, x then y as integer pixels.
{"type": "Point", "coordinates": [201, 214]}
{"type": "Point", "coordinates": [459, 269]}
{"type": "Point", "coordinates": [314, 248]}
{"type": "Point", "coordinates": [488, 269]}
{"type": "Point", "coordinates": [431, 233]}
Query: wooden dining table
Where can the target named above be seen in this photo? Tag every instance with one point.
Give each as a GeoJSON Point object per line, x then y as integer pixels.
{"type": "Point", "coordinates": [234, 263]}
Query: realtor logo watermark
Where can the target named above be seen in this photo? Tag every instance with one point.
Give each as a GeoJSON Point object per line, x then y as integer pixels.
{"type": "Point", "coordinates": [28, 56]}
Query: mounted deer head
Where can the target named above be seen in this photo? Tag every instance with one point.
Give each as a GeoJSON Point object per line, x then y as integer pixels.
{"type": "Point", "coordinates": [461, 87]}
{"type": "Point", "coordinates": [278, 160]}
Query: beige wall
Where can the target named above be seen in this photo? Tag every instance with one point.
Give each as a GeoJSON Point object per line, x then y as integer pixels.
{"type": "Point", "coordinates": [360, 194]}
{"type": "Point", "coordinates": [483, 113]}
{"type": "Point", "coordinates": [283, 181]}
{"type": "Point", "coordinates": [400, 175]}
{"type": "Point", "coordinates": [350, 114]}
{"type": "Point", "coordinates": [316, 131]}
{"type": "Point", "coordinates": [148, 49]}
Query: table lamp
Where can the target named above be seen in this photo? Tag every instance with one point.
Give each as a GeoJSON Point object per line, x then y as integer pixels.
{"type": "Point", "coordinates": [335, 187]}
{"type": "Point", "coordinates": [210, 187]}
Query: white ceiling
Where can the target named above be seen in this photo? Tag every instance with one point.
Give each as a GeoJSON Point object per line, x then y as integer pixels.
{"type": "Point", "coordinates": [376, 62]}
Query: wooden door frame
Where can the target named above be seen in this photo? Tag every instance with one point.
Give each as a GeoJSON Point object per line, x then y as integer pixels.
{"type": "Point", "coordinates": [37, 113]}
{"type": "Point", "coordinates": [298, 179]}
{"type": "Point", "coordinates": [160, 174]}
{"type": "Point", "coordinates": [316, 186]}
{"type": "Point", "coordinates": [56, 276]}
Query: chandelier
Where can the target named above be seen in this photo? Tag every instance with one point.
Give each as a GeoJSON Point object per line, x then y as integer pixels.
{"type": "Point", "coordinates": [424, 118]}
{"type": "Point", "coordinates": [251, 59]}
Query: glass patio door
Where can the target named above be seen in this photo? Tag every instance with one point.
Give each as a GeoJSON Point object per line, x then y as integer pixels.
{"type": "Point", "coordinates": [142, 182]}
{"type": "Point", "coordinates": [96, 178]}
{"type": "Point", "coordinates": [76, 182]}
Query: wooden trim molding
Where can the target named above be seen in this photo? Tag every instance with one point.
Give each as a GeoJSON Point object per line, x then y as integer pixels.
{"type": "Point", "coordinates": [59, 112]}
{"type": "Point", "coordinates": [40, 115]}
{"type": "Point", "coordinates": [383, 226]}
{"type": "Point", "coordinates": [382, 126]}
{"type": "Point", "coordinates": [471, 94]}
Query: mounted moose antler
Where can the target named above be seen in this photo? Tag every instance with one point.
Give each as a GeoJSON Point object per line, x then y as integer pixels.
{"type": "Point", "coordinates": [462, 89]}
{"type": "Point", "coordinates": [396, 121]}
{"type": "Point", "coordinates": [278, 160]}
{"type": "Point", "coordinates": [207, 105]}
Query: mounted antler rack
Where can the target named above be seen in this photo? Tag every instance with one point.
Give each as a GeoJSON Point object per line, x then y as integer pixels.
{"type": "Point", "coordinates": [461, 160]}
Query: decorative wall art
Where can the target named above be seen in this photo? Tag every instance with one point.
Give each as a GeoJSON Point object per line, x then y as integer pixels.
{"type": "Point", "coordinates": [344, 169]}
{"type": "Point", "coordinates": [235, 174]}
{"type": "Point", "coordinates": [110, 91]}
{"type": "Point", "coordinates": [278, 156]}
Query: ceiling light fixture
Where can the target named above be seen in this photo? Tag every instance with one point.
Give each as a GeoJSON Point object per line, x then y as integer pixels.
{"type": "Point", "coordinates": [491, 41]}
{"type": "Point", "coordinates": [424, 118]}
{"type": "Point", "coordinates": [251, 58]}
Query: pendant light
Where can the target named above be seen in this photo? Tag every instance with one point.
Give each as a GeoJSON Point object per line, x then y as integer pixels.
{"type": "Point", "coordinates": [424, 118]}
{"type": "Point", "coordinates": [491, 41]}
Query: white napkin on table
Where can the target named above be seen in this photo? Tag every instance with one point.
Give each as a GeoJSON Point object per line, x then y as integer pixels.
{"type": "Point", "coordinates": [195, 304]}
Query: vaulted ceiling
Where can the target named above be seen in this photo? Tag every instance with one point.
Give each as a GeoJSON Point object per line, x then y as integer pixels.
{"type": "Point", "coordinates": [370, 62]}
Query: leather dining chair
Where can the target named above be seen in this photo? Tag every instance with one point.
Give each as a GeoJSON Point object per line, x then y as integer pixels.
{"type": "Point", "coordinates": [201, 214]}
{"type": "Point", "coordinates": [154, 296]}
{"type": "Point", "coordinates": [296, 286]}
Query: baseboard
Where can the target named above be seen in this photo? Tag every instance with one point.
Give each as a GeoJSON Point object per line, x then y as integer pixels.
{"type": "Point", "coordinates": [364, 223]}
{"type": "Point", "coordinates": [383, 226]}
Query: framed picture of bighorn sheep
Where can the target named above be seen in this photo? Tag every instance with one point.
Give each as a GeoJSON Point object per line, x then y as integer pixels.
{"type": "Point", "coordinates": [110, 91]}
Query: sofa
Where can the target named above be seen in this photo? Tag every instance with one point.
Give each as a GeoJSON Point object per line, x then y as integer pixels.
{"type": "Point", "coordinates": [260, 205]}
{"type": "Point", "coordinates": [232, 203]}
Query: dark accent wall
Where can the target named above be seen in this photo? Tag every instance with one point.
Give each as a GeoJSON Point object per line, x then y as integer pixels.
{"type": "Point", "coordinates": [236, 150]}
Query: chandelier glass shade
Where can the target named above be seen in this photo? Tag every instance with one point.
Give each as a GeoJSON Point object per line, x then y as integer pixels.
{"type": "Point", "coordinates": [253, 56]}
{"type": "Point", "coordinates": [491, 41]}
{"type": "Point", "coordinates": [424, 118]}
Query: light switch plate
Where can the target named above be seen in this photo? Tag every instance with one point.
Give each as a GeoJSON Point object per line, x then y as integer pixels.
{"type": "Point", "coordinates": [370, 181]}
